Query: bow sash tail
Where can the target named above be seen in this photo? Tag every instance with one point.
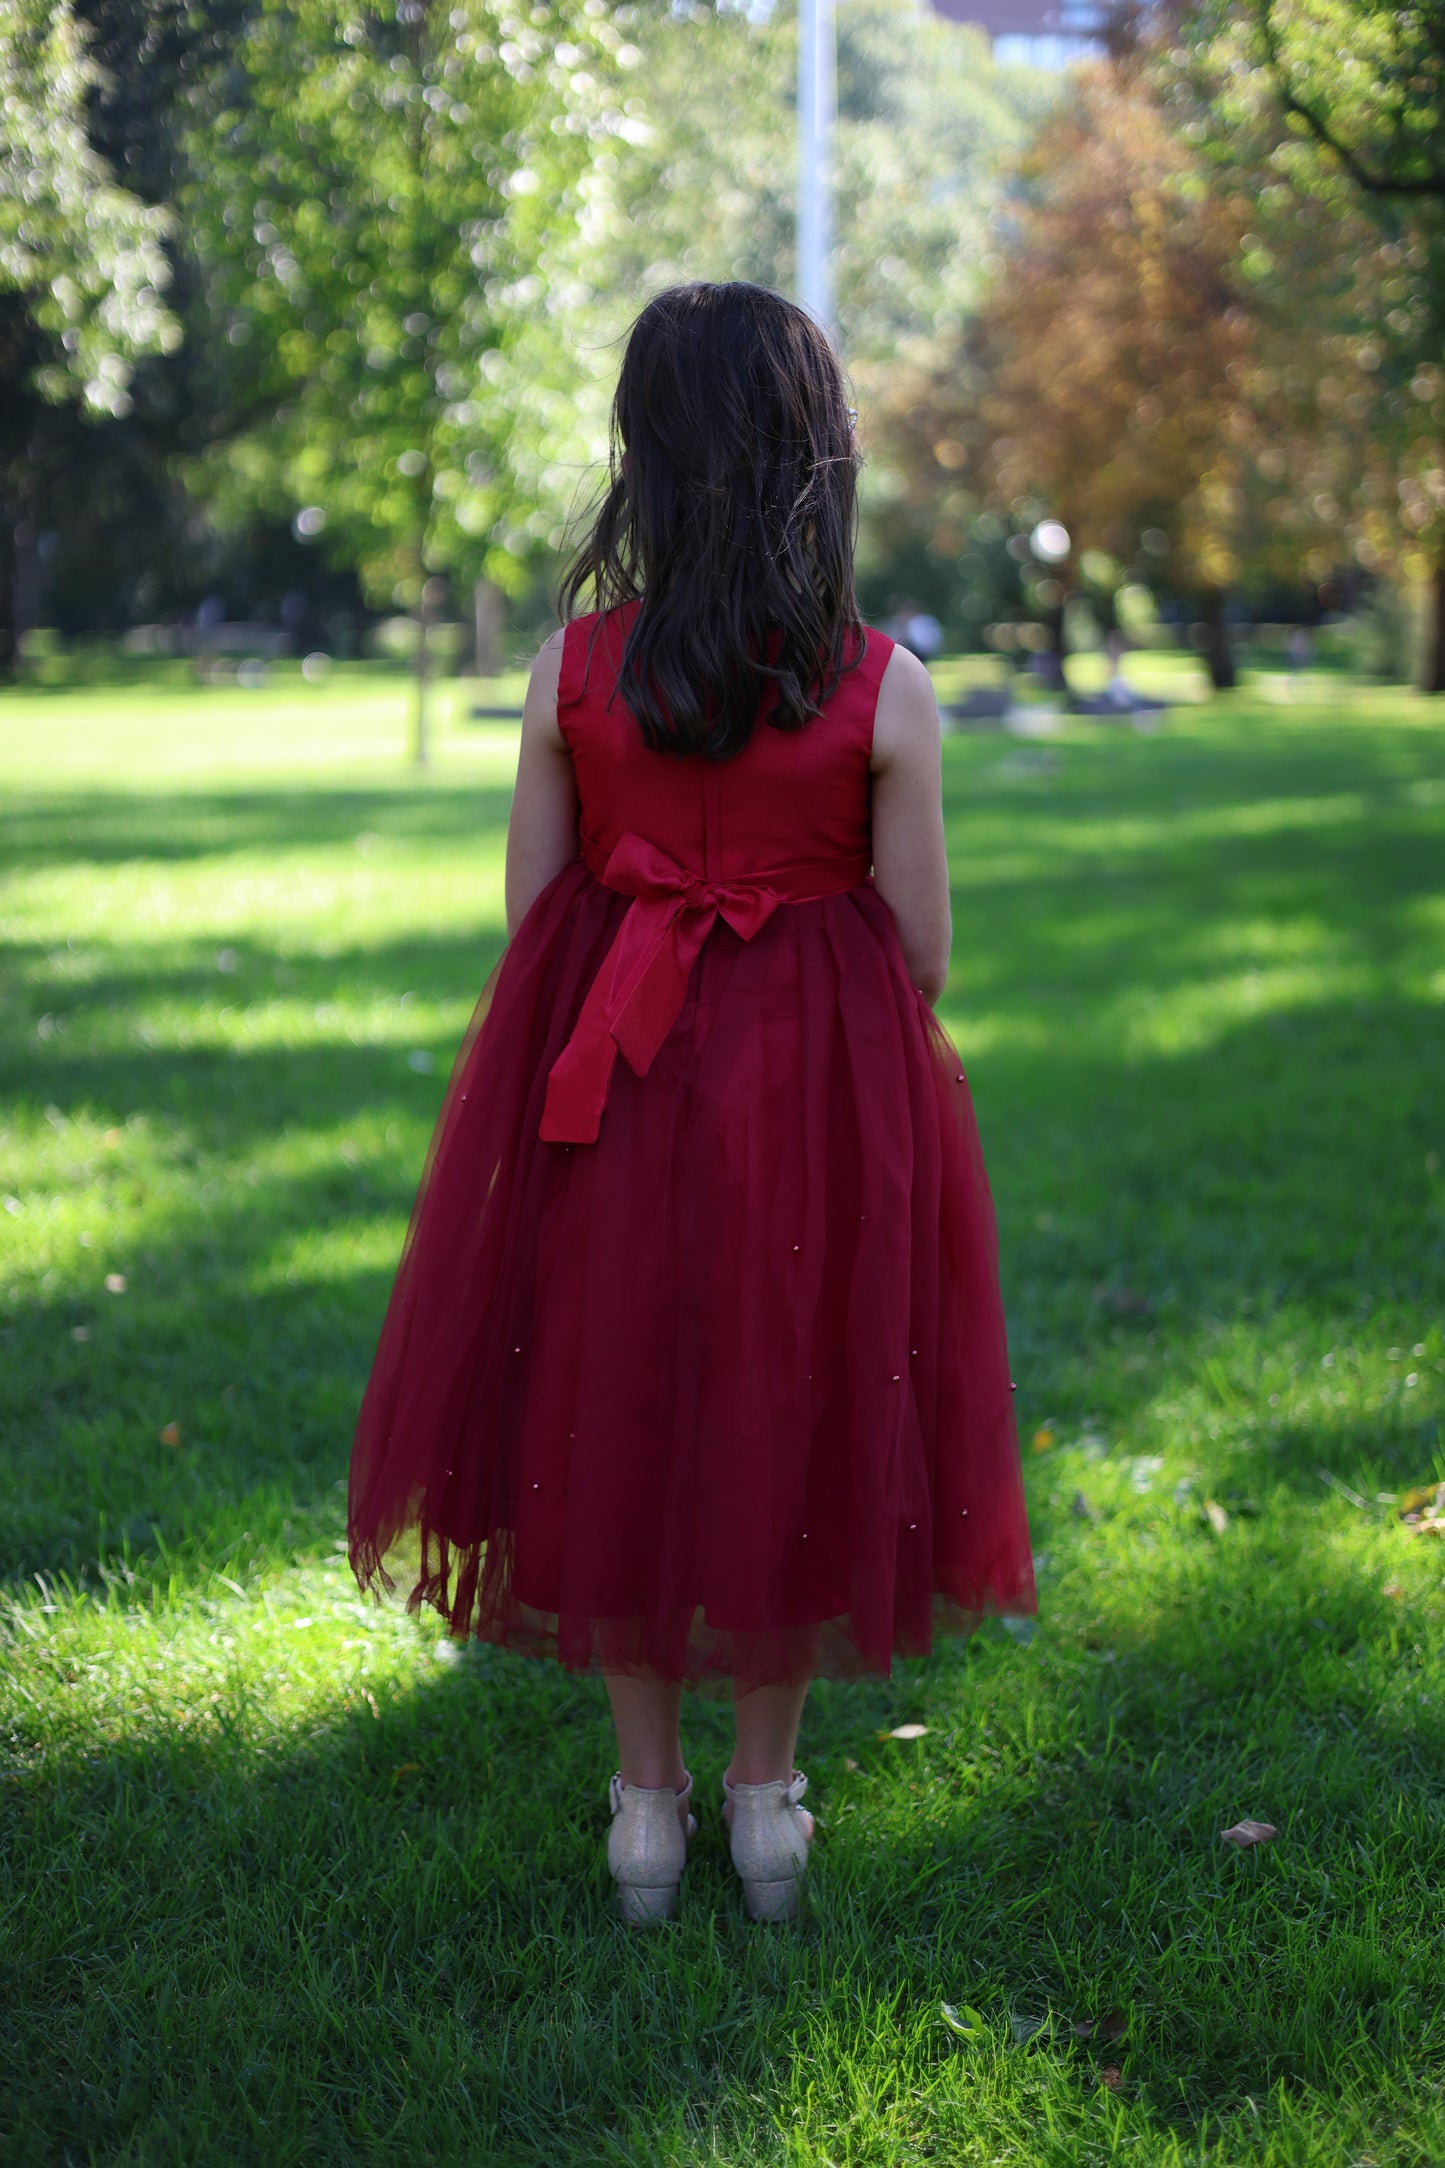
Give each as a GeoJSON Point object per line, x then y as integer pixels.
{"type": "Point", "coordinates": [641, 985]}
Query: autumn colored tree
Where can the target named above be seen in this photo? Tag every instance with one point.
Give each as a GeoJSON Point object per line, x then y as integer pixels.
{"type": "Point", "coordinates": [1136, 371]}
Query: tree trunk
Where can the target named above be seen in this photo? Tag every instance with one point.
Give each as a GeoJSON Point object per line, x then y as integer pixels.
{"type": "Point", "coordinates": [1218, 650]}
{"type": "Point", "coordinates": [487, 622]}
{"type": "Point", "coordinates": [1434, 679]}
{"type": "Point", "coordinates": [1056, 654]}
{"type": "Point", "coordinates": [421, 664]}
{"type": "Point", "coordinates": [25, 579]}
{"type": "Point", "coordinates": [8, 627]}
{"type": "Point", "coordinates": [433, 595]}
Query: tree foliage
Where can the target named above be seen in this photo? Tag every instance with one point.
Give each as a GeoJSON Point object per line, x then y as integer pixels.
{"type": "Point", "coordinates": [84, 259]}
{"type": "Point", "coordinates": [700, 184]}
{"type": "Point", "coordinates": [359, 208]}
{"type": "Point", "coordinates": [1340, 110]}
{"type": "Point", "coordinates": [371, 199]}
{"type": "Point", "coordinates": [83, 273]}
{"type": "Point", "coordinates": [1361, 81]}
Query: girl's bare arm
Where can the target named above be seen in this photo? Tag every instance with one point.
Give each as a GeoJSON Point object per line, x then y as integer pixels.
{"type": "Point", "coordinates": [910, 858]}
{"type": "Point", "coordinates": [542, 832]}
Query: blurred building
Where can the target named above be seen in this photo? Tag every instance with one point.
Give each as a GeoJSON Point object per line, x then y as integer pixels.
{"type": "Point", "coordinates": [1032, 33]}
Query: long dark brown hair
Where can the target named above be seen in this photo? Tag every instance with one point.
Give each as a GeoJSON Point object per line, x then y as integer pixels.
{"type": "Point", "coordinates": [729, 517]}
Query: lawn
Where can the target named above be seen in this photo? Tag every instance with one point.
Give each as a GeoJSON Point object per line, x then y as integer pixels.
{"type": "Point", "coordinates": [289, 1879]}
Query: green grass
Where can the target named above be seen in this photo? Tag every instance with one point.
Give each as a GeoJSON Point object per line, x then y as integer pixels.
{"type": "Point", "coordinates": [287, 1880]}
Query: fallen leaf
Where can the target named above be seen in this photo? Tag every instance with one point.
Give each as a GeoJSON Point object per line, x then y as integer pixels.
{"type": "Point", "coordinates": [906, 1731]}
{"type": "Point", "coordinates": [1024, 2029]}
{"type": "Point", "coordinates": [1424, 1494]}
{"type": "Point", "coordinates": [1123, 1301]}
{"type": "Point", "coordinates": [1216, 1516]}
{"type": "Point", "coordinates": [1392, 1588]}
{"type": "Point", "coordinates": [171, 1435]}
{"type": "Point", "coordinates": [407, 1769]}
{"type": "Point", "coordinates": [1043, 1439]}
{"type": "Point", "coordinates": [115, 1283]}
{"type": "Point", "coordinates": [1112, 2076]}
{"type": "Point", "coordinates": [850, 1765]}
{"type": "Point", "coordinates": [1112, 2026]}
{"type": "Point", "coordinates": [1244, 1834]}
{"type": "Point", "coordinates": [963, 2020]}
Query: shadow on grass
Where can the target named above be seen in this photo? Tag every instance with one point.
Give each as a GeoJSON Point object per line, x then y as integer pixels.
{"type": "Point", "coordinates": [101, 828]}
{"type": "Point", "coordinates": [1256, 1181]}
{"type": "Point", "coordinates": [394, 1929]}
{"type": "Point", "coordinates": [390, 1930]}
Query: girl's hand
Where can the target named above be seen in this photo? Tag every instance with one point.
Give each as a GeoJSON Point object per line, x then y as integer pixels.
{"type": "Point", "coordinates": [910, 858]}
{"type": "Point", "coordinates": [542, 832]}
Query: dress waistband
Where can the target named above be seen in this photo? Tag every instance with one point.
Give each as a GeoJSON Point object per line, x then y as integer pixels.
{"type": "Point", "coordinates": [641, 984]}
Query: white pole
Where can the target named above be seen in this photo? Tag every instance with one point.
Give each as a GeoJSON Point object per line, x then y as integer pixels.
{"type": "Point", "coordinates": [817, 106]}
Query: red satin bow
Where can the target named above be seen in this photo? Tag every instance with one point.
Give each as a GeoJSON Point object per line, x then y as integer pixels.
{"type": "Point", "coordinates": [638, 992]}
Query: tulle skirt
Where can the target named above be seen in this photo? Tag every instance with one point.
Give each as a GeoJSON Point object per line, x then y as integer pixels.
{"type": "Point", "coordinates": [726, 1392]}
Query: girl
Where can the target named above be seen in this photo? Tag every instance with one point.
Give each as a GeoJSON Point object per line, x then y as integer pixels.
{"type": "Point", "coordinates": [695, 1362]}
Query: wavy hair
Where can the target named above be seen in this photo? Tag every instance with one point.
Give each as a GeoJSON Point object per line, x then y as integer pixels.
{"type": "Point", "coordinates": [729, 517]}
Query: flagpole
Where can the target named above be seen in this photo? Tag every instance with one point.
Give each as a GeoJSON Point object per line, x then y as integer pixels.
{"type": "Point", "coordinates": [817, 107]}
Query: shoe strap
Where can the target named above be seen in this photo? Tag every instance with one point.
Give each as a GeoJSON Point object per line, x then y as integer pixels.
{"type": "Point", "coordinates": [792, 1791]}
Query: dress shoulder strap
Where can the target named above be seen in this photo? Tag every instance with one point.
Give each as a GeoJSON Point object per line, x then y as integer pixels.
{"type": "Point", "coordinates": [572, 678]}
{"type": "Point", "coordinates": [855, 700]}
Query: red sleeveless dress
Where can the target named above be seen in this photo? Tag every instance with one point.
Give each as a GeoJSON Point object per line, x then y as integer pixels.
{"type": "Point", "coordinates": [695, 1361]}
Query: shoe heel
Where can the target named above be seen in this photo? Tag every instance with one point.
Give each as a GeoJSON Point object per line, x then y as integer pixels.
{"type": "Point", "coordinates": [769, 1838]}
{"type": "Point", "coordinates": [641, 1907]}
{"type": "Point", "coordinates": [647, 1850]}
{"type": "Point", "coordinates": [771, 1900]}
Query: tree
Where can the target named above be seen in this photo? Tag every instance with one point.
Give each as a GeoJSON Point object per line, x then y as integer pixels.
{"type": "Point", "coordinates": [1134, 375]}
{"type": "Point", "coordinates": [373, 199]}
{"type": "Point", "coordinates": [83, 269]}
{"type": "Point", "coordinates": [698, 182]}
{"type": "Point", "coordinates": [1346, 104]}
